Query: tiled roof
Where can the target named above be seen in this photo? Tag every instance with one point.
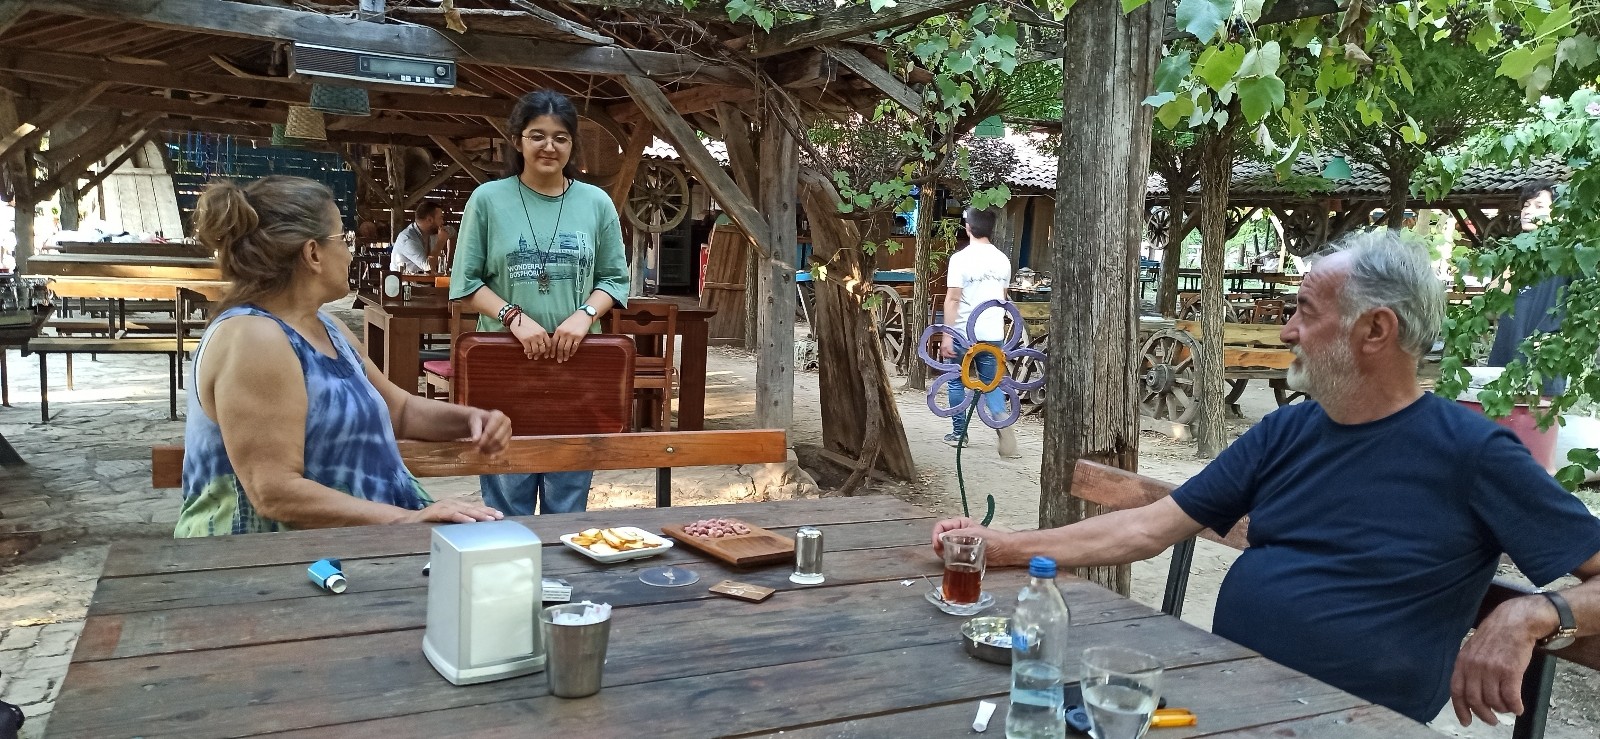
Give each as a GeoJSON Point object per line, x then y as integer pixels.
{"type": "Point", "coordinates": [1036, 171]}
{"type": "Point", "coordinates": [1257, 178]}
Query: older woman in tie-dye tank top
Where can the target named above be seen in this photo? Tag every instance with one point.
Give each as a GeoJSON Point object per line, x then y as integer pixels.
{"type": "Point", "coordinates": [289, 427]}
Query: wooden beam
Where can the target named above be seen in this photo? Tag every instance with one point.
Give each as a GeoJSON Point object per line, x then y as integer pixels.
{"type": "Point", "coordinates": [128, 152]}
{"type": "Point", "coordinates": [632, 152]}
{"type": "Point", "coordinates": [741, 154]}
{"type": "Point", "coordinates": [68, 173]}
{"type": "Point", "coordinates": [279, 114]}
{"type": "Point", "coordinates": [289, 24]}
{"type": "Point", "coordinates": [556, 454]}
{"type": "Point", "coordinates": [460, 157]}
{"type": "Point", "coordinates": [688, 100]}
{"type": "Point", "coordinates": [737, 204]}
{"type": "Point", "coordinates": [29, 132]}
{"type": "Point", "coordinates": [417, 195]}
{"type": "Point", "coordinates": [10, 11]}
{"type": "Point", "coordinates": [564, 25]}
{"type": "Point", "coordinates": [808, 69]}
{"type": "Point", "coordinates": [95, 135]}
{"type": "Point", "coordinates": [849, 21]}
{"type": "Point", "coordinates": [880, 78]}
{"type": "Point", "coordinates": [84, 67]}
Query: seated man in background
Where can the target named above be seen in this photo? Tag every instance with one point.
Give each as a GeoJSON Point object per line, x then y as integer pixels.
{"type": "Point", "coordinates": [414, 248]}
{"type": "Point", "coordinates": [1377, 513]}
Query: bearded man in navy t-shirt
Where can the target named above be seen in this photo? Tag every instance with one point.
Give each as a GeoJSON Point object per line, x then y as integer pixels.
{"type": "Point", "coordinates": [1377, 513]}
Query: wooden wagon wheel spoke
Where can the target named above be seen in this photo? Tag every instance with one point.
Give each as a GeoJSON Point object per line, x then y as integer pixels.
{"type": "Point", "coordinates": [1169, 386]}
{"type": "Point", "coordinates": [659, 198]}
{"type": "Point", "coordinates": [890, 316]}
{"type": "Point", "coordinates": [1284, 394]}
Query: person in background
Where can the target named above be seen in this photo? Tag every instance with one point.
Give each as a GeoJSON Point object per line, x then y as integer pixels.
{"type": "Point", "coordinates": [541, 256]}
{"type": "Point", "coordinates": [415, 246]}
{"type": "Point", "coordinates": [1378, 512]}
{"type": "Point", "coordinates": [1538, 307]}
{"type": "Point", "coordinates": [978, 273]}
{"type": "Point", "coordinates": [256, 456]}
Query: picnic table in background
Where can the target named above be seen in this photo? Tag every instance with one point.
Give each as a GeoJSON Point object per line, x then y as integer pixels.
{"type": "Point", "coordinates": [227, 637]}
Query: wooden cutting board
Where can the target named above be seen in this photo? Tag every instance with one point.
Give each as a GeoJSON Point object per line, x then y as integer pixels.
{"type": "Point", "coordinates": [760, 546]}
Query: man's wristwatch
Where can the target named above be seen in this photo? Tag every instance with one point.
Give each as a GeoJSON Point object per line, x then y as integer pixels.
{"type": "Point", "coordinates": [588, 310]}
{"type": "Point", "coordinates": [1568, 628]}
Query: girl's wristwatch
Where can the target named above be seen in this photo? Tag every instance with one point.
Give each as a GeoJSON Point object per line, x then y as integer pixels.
{"type": "Point", "coordinates": [588, 309]}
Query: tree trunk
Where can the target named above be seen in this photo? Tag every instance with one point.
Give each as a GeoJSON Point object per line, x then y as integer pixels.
{"type": "Point", "coordinates": [752, 312]}
{"type": "Point", "coordinates": [1091, 410]}
{"type": "Point", "coordinates": [1400, 169]}
{"type": "Point", "coordinates": [25, 203]}
{"type": "Point", "coordinates": [780, 167]}
{"type": "Point", "coordinates": [1172, 257]}
{"type": "Point", "coordinates": [859, 416]}
{"type": "Point", "coordinates": [917, 310]}
{"type": "Point", "coordinates": [1216, 171]}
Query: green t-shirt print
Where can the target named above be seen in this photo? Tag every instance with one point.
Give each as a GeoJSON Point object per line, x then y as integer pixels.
{"type": "Point", "coordinates": [510, 235]}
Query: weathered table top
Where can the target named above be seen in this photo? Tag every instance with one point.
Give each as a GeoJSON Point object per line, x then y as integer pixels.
{"type": "Point", "coordinates": [227, 637]}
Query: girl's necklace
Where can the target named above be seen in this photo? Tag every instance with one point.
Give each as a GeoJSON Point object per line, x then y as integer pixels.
{"type": "Point", "coordinates": [544, 255]}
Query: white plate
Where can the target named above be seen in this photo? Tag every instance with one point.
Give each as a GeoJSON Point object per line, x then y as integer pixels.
{"type": "Point", "coordinates": [662, 544]}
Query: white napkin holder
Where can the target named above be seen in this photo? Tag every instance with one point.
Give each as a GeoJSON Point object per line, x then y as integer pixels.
{"type": "Point", "coordinates": [484, 596]}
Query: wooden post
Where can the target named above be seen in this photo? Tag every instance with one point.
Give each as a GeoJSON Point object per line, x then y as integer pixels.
{"type": "Point", "coordinates": [371, 10]}
{"type": "Point", "coordinates": [25, 201]}
{"type": "Point", "coordinates": [780, 167]}
{"type": "Point", "coordinates": [395, 161]}
{"type": "Point", "coordinates": [917, 311]}
{"type": "Point", "coordinates": [1091, 410]}
{"type": "Point", "coordinates": [1216, 171]}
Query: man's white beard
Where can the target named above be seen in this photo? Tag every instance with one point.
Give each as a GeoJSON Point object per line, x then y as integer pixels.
{"type": "Point", "coordinates": [1328, 377]}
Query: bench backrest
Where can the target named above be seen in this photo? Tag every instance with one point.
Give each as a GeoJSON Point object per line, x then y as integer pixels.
{"type": "Point", "coordinates": [557, 454]}
{"type": "Point", "coordinates": [1117, 490]}
{"type": "Point", "coordinates": [590, 393]}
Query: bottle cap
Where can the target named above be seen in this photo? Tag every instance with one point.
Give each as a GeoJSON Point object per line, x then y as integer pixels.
{"type": "Point", "coordinates": [1042, 567]}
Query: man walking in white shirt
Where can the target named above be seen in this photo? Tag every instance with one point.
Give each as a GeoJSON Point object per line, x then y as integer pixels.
{"type": "Point", "coordinates": [979, 272]}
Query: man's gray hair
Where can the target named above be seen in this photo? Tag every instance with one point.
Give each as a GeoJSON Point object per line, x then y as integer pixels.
{"type": "Point", "coordinates": [1388, 272]}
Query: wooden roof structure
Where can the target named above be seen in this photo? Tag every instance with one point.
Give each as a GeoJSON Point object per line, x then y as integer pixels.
{"type": "Point", "coordinates": [97, 75]}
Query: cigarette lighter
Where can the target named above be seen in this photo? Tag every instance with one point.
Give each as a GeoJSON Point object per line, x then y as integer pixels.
{"type": "Point", "coordinates": [328, 574]}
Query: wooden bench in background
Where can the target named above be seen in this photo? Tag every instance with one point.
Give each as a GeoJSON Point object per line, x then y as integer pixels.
{"type": "Point", "coordinates": [1116, 489]}
{"type": "Point", "coordinates": [662, 451]}
{"type": "Point", "coordinates": [47, 345]}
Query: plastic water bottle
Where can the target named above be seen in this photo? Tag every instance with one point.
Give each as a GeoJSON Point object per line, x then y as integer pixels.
{"type": "Point", "coordinates": [1038, 656]}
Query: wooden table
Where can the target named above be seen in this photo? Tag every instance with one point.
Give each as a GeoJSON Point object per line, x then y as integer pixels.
{"type": "Point", "coordinates": [125, 265]}
{"type": "Point", "coordinates": [181, 291]}
{"type": "Point", "coordinates": [393, 330]}
{"type": "Point", "coordinates": [227, 637]}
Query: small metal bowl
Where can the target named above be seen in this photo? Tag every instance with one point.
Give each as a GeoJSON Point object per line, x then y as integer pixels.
{"type": "Point", "coordinates": [988, 638]}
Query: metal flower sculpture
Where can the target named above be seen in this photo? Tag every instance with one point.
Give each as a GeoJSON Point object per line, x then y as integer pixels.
{"type": "Point", "coordinates": [1008, 353]}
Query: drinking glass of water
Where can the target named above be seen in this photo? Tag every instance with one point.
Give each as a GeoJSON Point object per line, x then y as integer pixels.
{"type": "Point", "coordinates": [1121, 688]}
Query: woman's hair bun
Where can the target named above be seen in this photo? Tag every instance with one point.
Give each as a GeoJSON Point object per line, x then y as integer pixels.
{"type": "Point", "coordinates": [223, 217]}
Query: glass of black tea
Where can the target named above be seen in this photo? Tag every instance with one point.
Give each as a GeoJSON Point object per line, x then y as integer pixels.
{"type": "Point", "coordinates": [963, 569]}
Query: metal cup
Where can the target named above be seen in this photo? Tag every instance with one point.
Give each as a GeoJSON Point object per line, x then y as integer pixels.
{"type": "Point", "coordinates": [575, 656]}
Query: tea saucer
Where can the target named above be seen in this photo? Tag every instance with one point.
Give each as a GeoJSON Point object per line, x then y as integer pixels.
{"type": "Point", "coordinates": [984, 601]}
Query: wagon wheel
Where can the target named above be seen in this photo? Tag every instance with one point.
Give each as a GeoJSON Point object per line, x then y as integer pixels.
{"type": "Point", "coordinates": [889, 315]}
{"type": "Point", "coordinates": [1029, 369]}
{"type": "Point", "coordinates": [659, 198]}
{"type": "Point", "coordinates": [1235, 389]}
{"type": "Point", "coordinates": [806, 306]}
{"type": "Point", "coordinates": [1285, 394]}
{"type": "Point", "coordinates": [1156, 223]}
{"type": "Point", "coordinates": [1167, 376]}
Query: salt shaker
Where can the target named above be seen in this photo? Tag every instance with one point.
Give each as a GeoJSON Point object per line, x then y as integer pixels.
{"type": "Point", "coordinates": [807, 556]}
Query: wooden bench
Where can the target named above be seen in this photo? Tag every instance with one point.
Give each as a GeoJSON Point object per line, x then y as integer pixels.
{"type": "Point", "coordinates": [1116, 489]}
{"type": "Point", "coordinates": [662, 451]}
{"type": "Point", "coordinates": [45, 346]}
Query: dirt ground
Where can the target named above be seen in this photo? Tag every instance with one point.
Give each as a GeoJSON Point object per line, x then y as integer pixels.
{"type": "Point", "coordinates": [88, 485]}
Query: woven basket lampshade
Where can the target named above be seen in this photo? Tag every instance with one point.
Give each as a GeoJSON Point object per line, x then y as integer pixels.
{"type": "Point", "coordinates": [340, 100]}
{"type": "Point", "coordinates": [305, 123]}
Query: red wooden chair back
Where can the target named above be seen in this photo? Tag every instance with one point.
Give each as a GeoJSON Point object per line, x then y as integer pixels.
{"type": "Point", "coordinates": [591, 393]}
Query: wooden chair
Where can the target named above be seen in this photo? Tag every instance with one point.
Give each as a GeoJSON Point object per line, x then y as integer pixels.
{"type": "Point", "coordinates": [654, 324]}
{"type": "Point", "coordinates": [591, 393]}
{"type": "Point", "coordinates": [1115, 489]}
{"type": "Point", "coordinates": [1269, 311]}
{"type": "Point", "coordinates": [437, 371]}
